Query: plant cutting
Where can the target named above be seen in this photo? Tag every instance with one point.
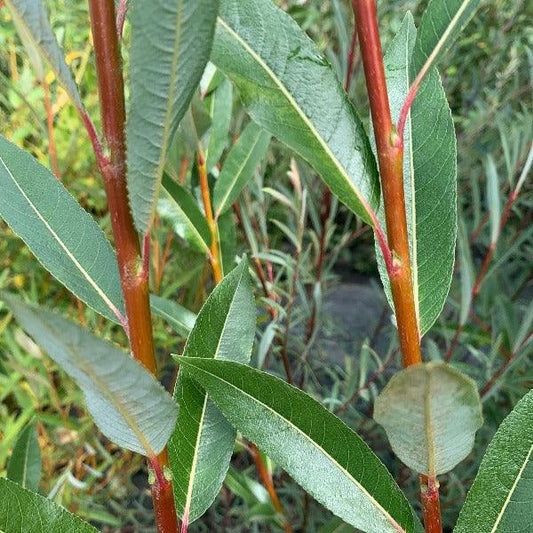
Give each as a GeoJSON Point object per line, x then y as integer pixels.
{"type": "Point", "coordinates": [163, 156]}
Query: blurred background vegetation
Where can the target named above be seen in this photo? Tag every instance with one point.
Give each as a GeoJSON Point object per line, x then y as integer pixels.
{"type": "Point", "coordinates": [320, 305]}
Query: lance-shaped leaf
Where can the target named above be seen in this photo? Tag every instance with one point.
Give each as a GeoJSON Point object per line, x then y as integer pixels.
{"type": "Point", "coordinates": [180, 318]}
{"type": "Point", "coordinates": [61, 235]}
{"type": "Point", "coordinates": [178, 207]}
{"type": "Point", "coordinates": [227, 241]}
{"type": "Point", "coordinates": [292, 91]}
{"type": "Point", "coordinates": [24, 511]}
{"type": "Point", "coordinates": [32, 23]}
{"type": "Point", "coordinates": [441, 23]}
{"type": "Point", "coordinates": [201, 446]}
{"type": "Point", "coordinates": [220, 106]}
{"type": "Point", "coordinates": [239, 166]}
{"type": "Point", "coordinates": [316, 448]}
{"type": "Point", "coordinates": [431, 413]}
{"type": "Point", "coordinates": [127, 403]}
{"type": "Point", "coordinates": [501, 498]}
{"type": "Point", "coordinates": [25, 463]}
{"type": "Point", "coordinates": [170, 45]}
{"type": "Point", "coordinates": [430, 172]}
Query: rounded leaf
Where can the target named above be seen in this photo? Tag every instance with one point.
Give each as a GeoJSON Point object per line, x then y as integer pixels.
{"type": "Point", "coordinates": [431, 413]}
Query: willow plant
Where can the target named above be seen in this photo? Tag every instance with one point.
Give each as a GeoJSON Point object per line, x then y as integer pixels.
{"type": "Point", "coordinates": [400, 179]}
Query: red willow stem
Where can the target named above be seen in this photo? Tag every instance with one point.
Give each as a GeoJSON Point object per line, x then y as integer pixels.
{"type": "Point", "coordinates": [133, 277]}
{"type": "Point", "coordinates": [390, 159]}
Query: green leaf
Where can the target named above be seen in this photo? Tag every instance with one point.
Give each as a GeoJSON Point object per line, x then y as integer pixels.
{"type": "Point", "coordinates": [316, 448]}
{"type": "Point", "coordinates": [430, 175]}
{"type": "Point", "coordinates": [501, 498]}
{"type": "Point", "coordinates": [25, 463]}
{"type": "Point", "coordinates": [181, 319]}
{"type": "Point", "coordinates": [127, 403]}
{"type": "Point", "coordinates": [201, 446]}
{"type": "Point", "coordinates": [180, 209]}
{"type": "Point", "coordinates": [431, 413]}
{"type": "Point", "coordinates": [227, 241]}
{"type": "Point", "coordinates": [32, 22]}
{"type": "Point", "coordinates": [239, 166]}
{"type": "Point", "coordinates": [24, 511]}
{"type": "Point", "coordinates": [61, 235]}
{"type": "Point", "coordinates": [441, 23]}
{"type": "Point", "coordinates": [493, 199]}
{"type": "Point", "coordinates": [170, 46]}
{"type": "Point", "coordinates": [292, 91]}
{"type": "Point", "coordinates": [221, 103]}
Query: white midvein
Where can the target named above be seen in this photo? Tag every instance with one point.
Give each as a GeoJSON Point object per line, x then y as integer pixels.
{"type": "Point", "coordinates": [295, 105]}
{"type": "Point", "coordinates": [388, 517]}
{"type": "Point", "coordinates": [69, 254]}
{"type": "Point", "coordinates": [508, 499]}
{"type": "Point", "coordinates": [188, 498]}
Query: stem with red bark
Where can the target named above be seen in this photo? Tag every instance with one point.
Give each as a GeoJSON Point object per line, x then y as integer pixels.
{"type": "Point", "coordinates": [390, 159]}
{"type": "Point", "coordinates": [133, 277]}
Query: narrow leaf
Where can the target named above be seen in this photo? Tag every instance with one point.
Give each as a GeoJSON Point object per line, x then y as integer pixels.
{"type": "Point", "coordinates": [431, 413]}
{"type": "Point", "coordinates": [227, 241]}
{"type": "Point", "coordinates": [239, 166]}
{"type": "Point", "coordinates": [170, 46]}
{"type": "Point", "coordinates": [441, 23]}
{"type": "Point", "coordinates": [316, 448]}
{"type": "Point", "coordinates": [501, 498]}
{"type": "Point", "coordinates": [430, 174]}
{"type": "Point", "coordinates": [25, 463]}
{"type": "Point", "coordinates": [201, 446]}
{"type": "Point", "coordinates": [178, 207]}
{"type": "Point", "coordinates": [129, 406]}
{"type": "Point", "coordinates": [292, 91]}
{"type": "Point", "coordinates": [181, 319]}
{"type": "Point", "coordinates": [221, 103]}
{"type": "Point", "coordinates": [32, 20]}
{"type": "Point", "coordinates": [493, 199]}
{"type": "Point", "coordinates": [61, 235]}
{"type": "Point", "coordinates": [24, 511]}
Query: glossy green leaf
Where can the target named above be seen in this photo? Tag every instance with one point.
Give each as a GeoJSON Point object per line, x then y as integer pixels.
{"type": "Point", "coordinates": [170, 46]}
{"type": "Point", "coordinates": [32, 21]}
{"type": "Point", "coordinates": [129, 406]}
{"type": "Point", "coordinates": [180, 209]}
{"type": "Point", "coordinates": [430, 174]}
{"type": "Point", "coordinates": [220, 106]}
{"type": "Point", "coordinates": [201, 446]}
{"type": "Point", "coordinates": [63, 237]}
{"type": "Point", "coordinates": [431, 413]}
{"type": "Point", "coordinates": [181, 319]}
{"type": "Point", "coordinates": [501, 498]}
{"type": "Point", "coordinates": [25, 463]}
{"type": "Point", "coordinates": [441, 23]}
{"type": "Point", "coordinates": [23, 511]}
{"type": "Point", "coordinates": [291, 90]}
{"type": "Point", "coordinates": [240, 166]}
{"type": "Point", "coordinates": [316, 448]}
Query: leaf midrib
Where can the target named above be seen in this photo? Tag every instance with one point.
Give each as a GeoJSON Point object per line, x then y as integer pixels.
{"type": "Point", "coordinates": [388, 517]}
{"type": "Point", "coordinates": [300, 112]}
{"type": "Point", "coordinates": [188, 498]}
{"type": "Point", "coordinates": [515, 484]}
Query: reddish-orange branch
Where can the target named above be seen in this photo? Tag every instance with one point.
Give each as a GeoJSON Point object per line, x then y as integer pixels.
{"type": "Point", "coordinates": [134, 279]}
{"type": "Point", "coordinates": [390, 158]}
